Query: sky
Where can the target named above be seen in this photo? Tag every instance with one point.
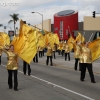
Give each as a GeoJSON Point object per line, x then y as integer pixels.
{"type": "Point", "coordinates": [45, 7]}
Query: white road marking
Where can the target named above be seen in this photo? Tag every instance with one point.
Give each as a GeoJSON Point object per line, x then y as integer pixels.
{"type": "Point", "coordinates": [55, 85]}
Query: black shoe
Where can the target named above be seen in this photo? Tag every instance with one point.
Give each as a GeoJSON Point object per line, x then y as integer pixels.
{"type": "Point", "coordinates": [24, 73]}
{"type": "Point", "coordinates": [75, 69]}
{"type": "Point", "coordinates": [82, 80]}
{"type": "Point", "coordinates": [29, 71]}
{"type": "Point", "coordinates": [93, 81]}
{"type": "Point", "coordinates": [10, 87]}
{"type": "Point", "coordinates": [16, 89]}
{"type": "Point", "coordinates": [51, 65]}
{"type": "Point", "coordinates": [28, 74]}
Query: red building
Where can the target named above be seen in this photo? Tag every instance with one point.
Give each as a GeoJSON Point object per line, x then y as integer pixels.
{"type": "Point", "coordinates": [65, 22]}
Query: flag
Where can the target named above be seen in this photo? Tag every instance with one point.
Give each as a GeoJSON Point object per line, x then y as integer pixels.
{"type": "Point", "coordinates": [4, 38]}
{"type": "Point", "coordinates": [80, 38]}
{"type": "Point", "coordinates": [15, 39]}
{"type": "Point", "coordinates": [71, 42]}
{"type": "Point", "coordinates": [41, 41]}
{"type": "Point", "coordinates": [56, 38]}
{"type": "Point", "coordinates": [25, 43]}
{"type": "Point", "coordinates": [46, 39]}
{"type": "Point", "coordinates": [29, 50]}
{"type": "Point", "coordinates": [95, 49]}
{"type": "Point", "coordinates": [51, 39]}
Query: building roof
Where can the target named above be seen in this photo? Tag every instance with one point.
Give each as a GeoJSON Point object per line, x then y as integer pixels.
{"type": "Point", "coordinates": [65, 13]}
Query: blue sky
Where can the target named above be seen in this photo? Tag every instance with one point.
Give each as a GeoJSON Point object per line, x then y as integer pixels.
{"type": "Point", "coordinates": [46, 7]}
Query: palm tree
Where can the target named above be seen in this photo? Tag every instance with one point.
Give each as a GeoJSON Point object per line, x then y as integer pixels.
{"type": "Point", "coordinates": [1, 25]}
{"type": "Point", "coordinates": [14, 20]}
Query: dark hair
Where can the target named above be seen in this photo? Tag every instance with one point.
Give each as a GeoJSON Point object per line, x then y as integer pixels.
{"type": "Point", "coordinates": [11, 46]}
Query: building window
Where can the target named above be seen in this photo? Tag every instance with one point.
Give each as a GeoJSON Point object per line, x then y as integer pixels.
{"type": "Point", "coordinates": [61, 29]}
{"type": "Point", "coordinates": [56, 28]}
{"type": "Point", "coordinates": [61, 25]}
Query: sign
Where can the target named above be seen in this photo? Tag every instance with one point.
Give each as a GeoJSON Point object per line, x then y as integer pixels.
{"type": "Point", "coordinates": [11, 33]}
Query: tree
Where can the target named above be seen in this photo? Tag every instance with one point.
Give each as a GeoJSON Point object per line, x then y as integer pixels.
{"type": "Point", "coordinates": [14, 20]}
{"type": "Point", "coordinates": [1, 25]}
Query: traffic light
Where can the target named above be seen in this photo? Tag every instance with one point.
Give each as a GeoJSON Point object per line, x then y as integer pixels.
{"type": "Point", "coordinates": [94, 14]}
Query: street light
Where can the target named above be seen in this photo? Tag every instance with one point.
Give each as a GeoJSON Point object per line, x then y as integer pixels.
{"type": "Point", "coordinates": [42, 18]}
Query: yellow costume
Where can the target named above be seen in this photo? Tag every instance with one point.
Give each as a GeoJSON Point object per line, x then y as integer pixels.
{"type": "Point", "coordinates": [54, 48]}
{"type": "Point", "coordinates": [40, 48]}
{"type": "Point", "coordinates": [60, 46]}
{"type": "Point", "coordinates": [86, 55]}
{"type": "Point", "coordinates": [63, 46]}
{"type": "Point", "coordinates": [49, 51]}
{"type": "Point", "coordinates": [12, 60]}
{"type": "Point", "coordinates": [77, 52]}
{"type": "Point", "coordinates": [67, 50]}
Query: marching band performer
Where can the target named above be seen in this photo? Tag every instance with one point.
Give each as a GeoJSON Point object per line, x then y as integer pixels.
{"type": "Point", "coordinates": [54, 49]}
{"type": "Point", "coordinates": [58, 48]}
{"type": "Point", "coordinates": [35, 59]}
{"type": "Point", "coordinates": [63, 48]}
{"type": "Point", "coordinates": [43, 51]}
{"type": "Point", "coordinates": [77, 53]}
{"type": "Point", "coordinates": [40, 51]}
{"type": "Point", "coordinates": [86, 62]}
{"type": "Point", "coordinates": [0, 55]}
{"type": "Point", "coordinates": [12, 66]}
{"type": "Point", "coordinates": [67, 51]}
{"type": "Point", "coordinates": [25, 65]}
{"type": "Point", "coordinates": [49, 54]}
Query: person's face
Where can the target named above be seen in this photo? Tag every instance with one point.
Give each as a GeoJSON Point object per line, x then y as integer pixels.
{"type": "Point", "coordinates": [12, 48]}
{"type": "Point", "coordinates": [78, 43]}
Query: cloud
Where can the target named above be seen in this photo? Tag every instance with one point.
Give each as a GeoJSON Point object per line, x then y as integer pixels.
{"type": "Point", "coordinates": [46, 7]}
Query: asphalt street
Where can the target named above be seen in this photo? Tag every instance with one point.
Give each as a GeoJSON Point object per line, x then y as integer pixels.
{"type": "Point", "coordinates": [57, 82]}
